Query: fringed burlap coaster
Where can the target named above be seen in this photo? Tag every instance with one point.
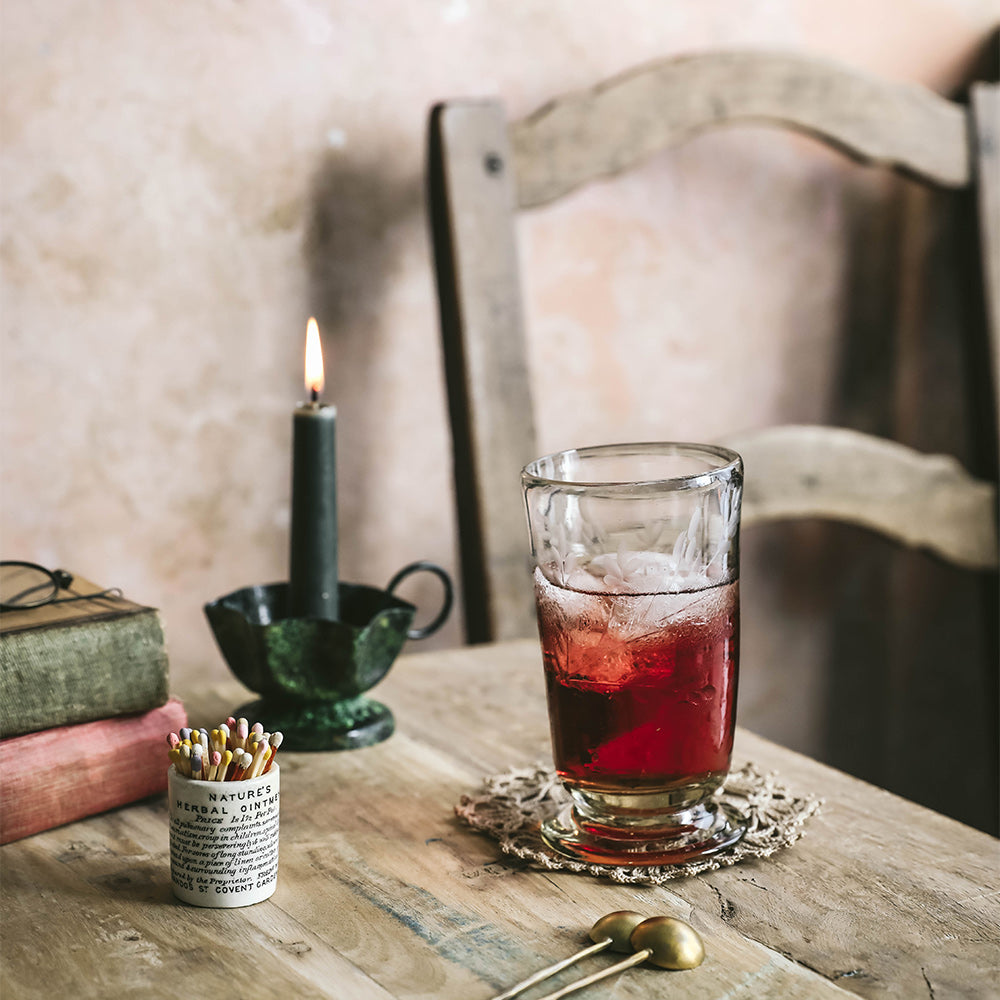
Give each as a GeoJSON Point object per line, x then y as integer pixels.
{"type": "Point", "coordinates": [512, 805]}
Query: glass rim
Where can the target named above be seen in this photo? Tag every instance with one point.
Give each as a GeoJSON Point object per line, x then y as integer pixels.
{"type": "Point", "coordinates": [729, 463]}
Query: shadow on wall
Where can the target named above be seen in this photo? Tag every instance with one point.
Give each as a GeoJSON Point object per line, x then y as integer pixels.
{"type": "Point", "coordinates": [351, 254]}
{"type": "Point", "coordinates": [911, 677]}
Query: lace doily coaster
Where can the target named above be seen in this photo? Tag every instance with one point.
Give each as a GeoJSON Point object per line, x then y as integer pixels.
{"type": "Point", "coordinates": [512, 805]}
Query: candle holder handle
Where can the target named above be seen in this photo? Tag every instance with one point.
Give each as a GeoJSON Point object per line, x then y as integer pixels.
{"type": "Point", "coordinates": [449, 595]}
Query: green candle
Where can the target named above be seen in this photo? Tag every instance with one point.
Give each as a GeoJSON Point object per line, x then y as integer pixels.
{"type": "Point", "coordinates": [313, 578]}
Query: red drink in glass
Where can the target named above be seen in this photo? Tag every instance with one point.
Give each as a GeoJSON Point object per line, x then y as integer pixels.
{"type": "Point", "coordinates": [641, 687]}
{"type": "Point", "coordinates": [636, 555]}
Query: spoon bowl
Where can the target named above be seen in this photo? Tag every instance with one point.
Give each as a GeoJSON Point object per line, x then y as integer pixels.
{"type": "Point", "coordinates": [617, 926]}
{"type": "Point", "coordinates": [670, 943]}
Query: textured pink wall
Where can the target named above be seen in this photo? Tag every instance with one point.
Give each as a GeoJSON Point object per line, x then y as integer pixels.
{"type": "Point", "coordinates": [182, 186]}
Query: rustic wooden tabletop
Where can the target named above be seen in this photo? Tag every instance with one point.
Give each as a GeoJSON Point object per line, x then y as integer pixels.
{"type": "Point", "coordinates": [383, 892]}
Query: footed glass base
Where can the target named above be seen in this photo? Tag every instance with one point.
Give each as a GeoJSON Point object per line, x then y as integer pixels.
{"type": "Point", "coordinates": [695, 832]}
{"type": "Point", "coordinates": [323, 725]}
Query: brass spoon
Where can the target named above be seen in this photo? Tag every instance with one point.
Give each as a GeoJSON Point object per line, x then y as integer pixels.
{"type": "Point", "coordinates": [664, 941]}
{"type": "Point", "coordinates": [612, 931]}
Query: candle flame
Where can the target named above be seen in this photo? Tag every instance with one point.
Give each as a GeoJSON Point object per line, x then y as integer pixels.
{"type": "Point", "coordinates": [314, 360]}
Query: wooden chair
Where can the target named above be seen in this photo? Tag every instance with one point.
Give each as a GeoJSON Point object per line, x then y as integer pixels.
{"type": "Point", "coordinates": [482, 169]}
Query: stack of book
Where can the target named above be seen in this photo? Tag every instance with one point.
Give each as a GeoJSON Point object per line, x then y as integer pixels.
{"type": "Point", "coordinates": [84, 710]}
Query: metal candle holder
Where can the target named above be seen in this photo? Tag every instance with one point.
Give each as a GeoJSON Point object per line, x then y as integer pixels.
{"type": "Point", "coordinates": [311, 673]}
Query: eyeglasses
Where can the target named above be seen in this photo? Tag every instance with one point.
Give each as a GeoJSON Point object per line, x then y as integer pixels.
{"type": "Point", "coordinates": [28, 585]}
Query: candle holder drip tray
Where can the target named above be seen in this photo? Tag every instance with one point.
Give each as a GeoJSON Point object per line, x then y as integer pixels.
{"type": "Point", "coordinates": [311, 673]}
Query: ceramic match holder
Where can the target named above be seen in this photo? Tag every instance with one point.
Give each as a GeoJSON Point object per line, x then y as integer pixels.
{"type": "Point", "coordinates": [223, 839]}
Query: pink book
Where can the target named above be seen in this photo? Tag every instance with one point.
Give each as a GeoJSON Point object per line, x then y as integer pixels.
{"type": "Point", "coordinates": [60, 775]}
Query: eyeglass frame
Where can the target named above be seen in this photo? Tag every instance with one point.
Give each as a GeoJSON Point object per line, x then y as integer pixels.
{"type": "Point", "coordinates": [59, 579]}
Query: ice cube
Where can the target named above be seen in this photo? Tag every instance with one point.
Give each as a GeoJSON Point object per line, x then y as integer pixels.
{"type": "Point", "coordinates": [684, 606]}
{"type": "Point", "coordinates": [633, 616]}
{"type": "Point", "coordinates": [599, 660]}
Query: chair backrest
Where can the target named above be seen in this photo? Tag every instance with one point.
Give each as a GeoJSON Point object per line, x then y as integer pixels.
{"type": "Point", "coordinates": [482, 169]}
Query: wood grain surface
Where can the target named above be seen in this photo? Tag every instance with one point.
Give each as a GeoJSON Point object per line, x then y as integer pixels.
{"type": "Point", "coordinates": [985, 138]}
{"type": "Point", "coordinates": [923, 501]}
{"type": "Point", "coordinates": [471, 200]}
{"type": "Point", "coordinates": [614, 125]}
{"type": "Point", "coordinates": [383, 893]}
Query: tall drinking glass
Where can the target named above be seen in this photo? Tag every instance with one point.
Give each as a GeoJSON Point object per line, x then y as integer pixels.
{"type": "Point", "coordinates": [636, 567]}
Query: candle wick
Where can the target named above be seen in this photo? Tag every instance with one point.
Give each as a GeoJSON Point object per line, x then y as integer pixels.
{"type": "Point", "coordinates": [313, 394]}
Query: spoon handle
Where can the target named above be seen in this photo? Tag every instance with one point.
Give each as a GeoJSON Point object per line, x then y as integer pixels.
{"type": "Point", "coordinates": [551, 970]}
{"type": "Point", "coordinates": [639, 956]}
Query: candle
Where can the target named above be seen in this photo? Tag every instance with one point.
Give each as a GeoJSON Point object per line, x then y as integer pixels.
{"type": "Point", "coordinates": [313, 579]}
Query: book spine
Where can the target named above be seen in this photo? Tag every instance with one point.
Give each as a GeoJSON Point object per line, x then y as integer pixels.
{"type": "Point", "coordinates": [60, 775]}
{"type": "Point", "coordinates": [80, 672]}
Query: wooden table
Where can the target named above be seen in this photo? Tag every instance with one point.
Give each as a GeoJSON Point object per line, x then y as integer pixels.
{"type": "Point", "coordinates": [383, 893]}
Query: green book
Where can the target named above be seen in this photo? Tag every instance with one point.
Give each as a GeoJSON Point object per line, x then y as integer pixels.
{"type": "Point", "coordinates": [62, 664]}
